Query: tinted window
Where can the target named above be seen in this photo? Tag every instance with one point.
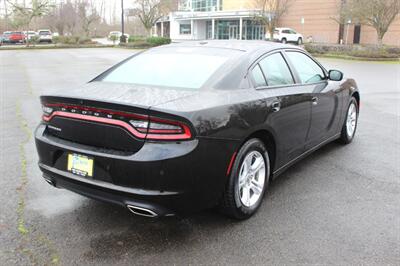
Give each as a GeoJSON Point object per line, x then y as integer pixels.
{"type": "Point", "coordinates": [286, 31]}
{"type": "Point", "coordinates": [308, 70]}
{"type": "Point", "coordinates": [185, 29]}
{"type": "Point", "coordinates": [179, 68]}
{"type": "Point", "coordinates": [276, 70]}
{"type": "Point", "coordinates": [258, 76]}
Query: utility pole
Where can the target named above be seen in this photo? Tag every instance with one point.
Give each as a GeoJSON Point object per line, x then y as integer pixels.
{"type": "Point", "coordinates": [123, 38]}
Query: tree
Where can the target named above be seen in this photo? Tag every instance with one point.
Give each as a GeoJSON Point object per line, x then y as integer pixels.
{"type": "Point", "coordinates": [270, 13]}
{"type": "Point", "coordinates": [150, 11]}
{"type": "Point", "coordinates": [378, 14]}
{"type": "Point", "coordinates": [88, 15]}
{"type": "Point", "coordinates": [62, 18]}
{"type": "Point", "coordinates": [23, 15]}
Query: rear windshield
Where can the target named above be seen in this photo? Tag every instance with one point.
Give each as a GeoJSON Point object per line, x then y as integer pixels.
{"type": "Point", "coordinates": [44, 32]}
{"type": "Point", "coordinates": [171, 67]}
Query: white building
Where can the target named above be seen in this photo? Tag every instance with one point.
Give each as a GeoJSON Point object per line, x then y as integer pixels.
{"type": "Point", "coordinates": [207, 19]}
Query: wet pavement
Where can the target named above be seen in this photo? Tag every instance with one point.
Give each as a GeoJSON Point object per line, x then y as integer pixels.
{"type": "Point", "coordinates": [341, 205]}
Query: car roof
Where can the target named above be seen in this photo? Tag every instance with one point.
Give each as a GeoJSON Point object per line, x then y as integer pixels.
{"type": "Point", "coordinates": [245, 45]}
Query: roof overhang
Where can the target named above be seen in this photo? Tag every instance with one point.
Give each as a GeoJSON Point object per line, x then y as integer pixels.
{"type": "Point", "coordinates": [190, 15]}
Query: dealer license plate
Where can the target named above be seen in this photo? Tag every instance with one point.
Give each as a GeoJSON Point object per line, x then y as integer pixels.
{"type": "Point", "coordinates": [80, 164]}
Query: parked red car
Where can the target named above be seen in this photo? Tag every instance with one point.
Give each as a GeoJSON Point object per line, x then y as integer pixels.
{"type": "Point", "coordinates": [16, 37]}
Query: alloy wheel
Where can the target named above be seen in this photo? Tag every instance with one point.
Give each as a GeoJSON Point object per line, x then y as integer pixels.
{"type": "Point", "coordinates": [251, 178]}
{"type": "Point", "coordinates": [351, 121]}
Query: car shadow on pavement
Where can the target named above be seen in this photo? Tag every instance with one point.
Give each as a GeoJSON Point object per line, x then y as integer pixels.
{"type": "Point", "coordinates": [119, 233]}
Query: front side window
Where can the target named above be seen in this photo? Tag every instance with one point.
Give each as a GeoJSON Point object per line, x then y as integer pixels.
{"type": "Point", "coordinates": [276, 70]}
{"type": "Point", "coordinates": [175, 68]}
{"type": "Point", "coordinates": [307, 69]}
{"type": "Point", "coordinates": [185, 29]}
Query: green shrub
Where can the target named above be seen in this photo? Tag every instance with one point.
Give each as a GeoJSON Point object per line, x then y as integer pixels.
{"type": "Point", "coordinates": [136, 38]}
{"type": "Point", "coordinates": [56, 39]}
{"type": "Point", "coordinates": [156, 41]}
{"type": "Point", "coordinates": [114, 38]}
{"type": "Point", "coordinates": [34, 39]}
{"type": "Point", "coordinates": [72, 40]}
{"type": "Point", "coordinates": [362, 51]}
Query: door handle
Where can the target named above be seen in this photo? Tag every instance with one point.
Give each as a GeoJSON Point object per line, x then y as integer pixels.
{"type": "Point", "coordinates": [314, 100]}
{"type": "Point", "coordinates": [276, 106]}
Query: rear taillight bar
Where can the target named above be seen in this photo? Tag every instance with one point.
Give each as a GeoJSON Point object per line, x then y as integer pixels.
{"type": "Point", "coordinates": [141, 126]}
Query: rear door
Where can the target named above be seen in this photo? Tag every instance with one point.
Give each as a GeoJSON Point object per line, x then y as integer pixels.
{"type": "Point", "coordinates": [324, 97]}
{"type": "Point", "coordinates": [288, 106]}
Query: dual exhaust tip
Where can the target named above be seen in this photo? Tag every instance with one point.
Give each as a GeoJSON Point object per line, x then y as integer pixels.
{"type": "Point", "coordinates": [141, 211]}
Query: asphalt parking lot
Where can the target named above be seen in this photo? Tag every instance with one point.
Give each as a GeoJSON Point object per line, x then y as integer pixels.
{"type": "Point", "coordinates": [341, 205]}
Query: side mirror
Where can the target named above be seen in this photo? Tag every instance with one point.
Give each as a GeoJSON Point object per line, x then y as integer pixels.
{"type": "Point", "coordinates": [335, 75]}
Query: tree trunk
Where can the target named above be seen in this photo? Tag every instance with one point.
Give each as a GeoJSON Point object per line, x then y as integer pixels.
{"type": "Point", "coordinates": [271, 28]}
{"type": "Point", "coordinates": [149, 32]}
{"type": "Point", "coordinates": [380, 36]}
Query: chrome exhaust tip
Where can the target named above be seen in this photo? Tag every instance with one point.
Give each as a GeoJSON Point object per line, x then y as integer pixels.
{"type": "Point", "coordinates": [48, 180]}
{"type": "Point", "coordinates": [141, 211]}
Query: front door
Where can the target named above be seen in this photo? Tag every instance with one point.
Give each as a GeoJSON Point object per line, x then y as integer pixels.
{"type": "Point", "coordinates": [233, 32]}
{"type": "Point", "coordinates": [325, 98]}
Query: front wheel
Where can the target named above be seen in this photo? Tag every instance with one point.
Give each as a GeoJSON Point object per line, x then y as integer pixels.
{"type": "Point", "coordinates": [350, 123]}
{"type": "Point", "coordinates": [248, 181]}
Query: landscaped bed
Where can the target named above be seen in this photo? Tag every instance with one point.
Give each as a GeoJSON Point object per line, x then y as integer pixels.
{"type": "Point", "coordinates": [356, 52]}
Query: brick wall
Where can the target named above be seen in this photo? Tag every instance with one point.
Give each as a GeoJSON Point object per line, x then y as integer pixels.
{"type": "Point", "coordinates": [318, 19]}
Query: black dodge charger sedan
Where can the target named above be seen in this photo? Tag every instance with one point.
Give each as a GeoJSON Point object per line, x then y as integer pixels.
{"type": "Point", "coordinates": [188, 126]}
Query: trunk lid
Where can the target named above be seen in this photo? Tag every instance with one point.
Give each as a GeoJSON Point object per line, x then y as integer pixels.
{"type": "Point", "coordinates": [99, 114]}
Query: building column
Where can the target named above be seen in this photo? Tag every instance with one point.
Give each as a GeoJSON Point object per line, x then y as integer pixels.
{"type": "Point", "coordinates": [162, 29]}
{"type": "Point", "coordinates": [213, 29]}
{"type": "Point", "coordinates": [191, 29]}
{"type": "Point", "coordinates": [240, 28]}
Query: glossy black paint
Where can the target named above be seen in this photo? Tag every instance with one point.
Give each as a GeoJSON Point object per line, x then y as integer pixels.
{"type": "Point", "coordinates": [171, 177]}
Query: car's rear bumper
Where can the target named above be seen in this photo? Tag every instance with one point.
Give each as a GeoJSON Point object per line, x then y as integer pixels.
{"type": "Point", "coordinates": [166, 178]}
{"type": "Point", "coordinates": [160, 203]}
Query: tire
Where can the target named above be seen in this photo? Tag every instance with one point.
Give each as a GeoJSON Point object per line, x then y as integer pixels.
{"type": "Point", "coordinates": [300, 41]}
{"type": "Point", "coordinates": [235, 204]}
{"type": "Point", "coordinates": [284, 41]}
{"type": "Point", "coordinates": [350, 123]}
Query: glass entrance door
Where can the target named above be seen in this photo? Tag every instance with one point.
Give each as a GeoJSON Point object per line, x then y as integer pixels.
{"type": "Point", "coordinates": [233, 32]}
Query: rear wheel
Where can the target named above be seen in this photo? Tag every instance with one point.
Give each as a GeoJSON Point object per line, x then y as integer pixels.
{"type": "Point", "coordinates": [248, 181]}
{"type": "Point", "coordinates": [284, 40]}
{"type": "Point", "coordinates": [300, 41]}
{"type": "Point", "coordinates": [350, 123]}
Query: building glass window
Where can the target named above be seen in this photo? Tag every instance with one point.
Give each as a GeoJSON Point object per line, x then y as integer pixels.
{"type": "Point", "coordinates": [229, 29]}
{"type": "Point", "coordinates": [206, 5]}
{"type": "Point", "coordinates": [185, 29]}
{"type": "Point", "coordinates": [253, 30]}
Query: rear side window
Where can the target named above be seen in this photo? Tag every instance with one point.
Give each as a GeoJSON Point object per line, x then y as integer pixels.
{"type": "Point", "coordinates": [276, 70]}
{"type": "Point", "coordinates": [307, 69]}
{"type": "Point", "coordinates": [258, 76]}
